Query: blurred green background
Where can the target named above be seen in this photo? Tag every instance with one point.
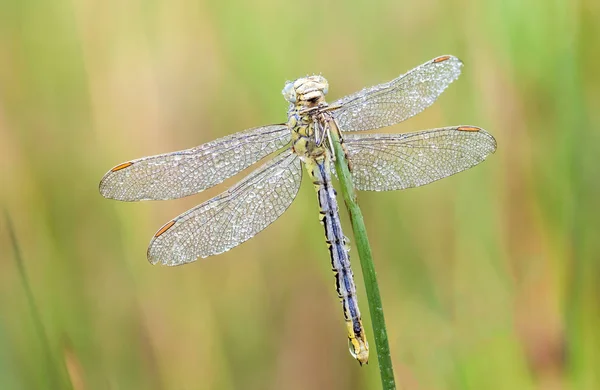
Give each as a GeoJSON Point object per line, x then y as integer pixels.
{"type": "Point", "coordinates": [490, 279]}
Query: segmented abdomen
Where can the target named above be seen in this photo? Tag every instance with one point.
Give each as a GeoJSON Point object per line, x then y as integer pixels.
{"type": "Point", "coordinates": [340, 259]}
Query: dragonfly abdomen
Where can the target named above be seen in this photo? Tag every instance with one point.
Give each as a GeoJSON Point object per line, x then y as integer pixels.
{"type": "Point", "coordinates": [340, 259]}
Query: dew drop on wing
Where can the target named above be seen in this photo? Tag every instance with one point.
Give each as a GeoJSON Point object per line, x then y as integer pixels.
{"type": "Point", "coordinates": [250, 197]}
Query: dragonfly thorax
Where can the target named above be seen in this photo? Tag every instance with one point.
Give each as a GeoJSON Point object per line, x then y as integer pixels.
{"type": "Point", "coordinates": [306, 96]}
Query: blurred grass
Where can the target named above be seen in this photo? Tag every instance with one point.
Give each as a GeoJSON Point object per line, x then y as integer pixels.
{"type": "Point", "coordinates": [51, 370]}
{"type": "Point", "coordinates": [489, 278]}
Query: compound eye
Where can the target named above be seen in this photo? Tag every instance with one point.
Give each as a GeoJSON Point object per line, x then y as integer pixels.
{"type": "Point", "coordinates": [289, 93]}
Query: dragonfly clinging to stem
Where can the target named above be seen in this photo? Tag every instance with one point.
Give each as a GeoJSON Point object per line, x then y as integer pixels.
{"type": "Point", "coordinates": [379, 162]}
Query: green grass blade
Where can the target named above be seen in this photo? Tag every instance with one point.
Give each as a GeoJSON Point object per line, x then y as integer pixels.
{"type": "Point", "coordinates": [368, 268]}
{"type": "Point", "coordinates": [53, 375]}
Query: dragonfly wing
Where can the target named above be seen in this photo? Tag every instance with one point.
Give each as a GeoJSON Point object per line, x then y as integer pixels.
{"type": "Point", "coordinates": [183, 173]}
{"type": "Point", "coordinates": [385, 162]}
{"type": "Point", "coordinates": [395, 101]}
{"type": "Point", "coordinates": [231, 218]}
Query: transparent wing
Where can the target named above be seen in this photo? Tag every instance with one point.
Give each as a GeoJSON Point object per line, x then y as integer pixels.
{"type": "Point", "coordinates": [385, 162]}
{"type": "Point", "coordinates": [231, 218]}
{"type": "Point", "coordinates": [395, 101]}
{"type": "Point", "coordinates": [179, 174]}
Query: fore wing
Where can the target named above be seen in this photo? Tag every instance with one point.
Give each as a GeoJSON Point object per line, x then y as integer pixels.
{"type": "Point", "coordinates": [183, 173]}
{"type": "Point", "coordinates": [397, 100]}
{"type": "Point", "coordinates": [385, 162]}
{"type": "Point", "coordinates": [231, 218]}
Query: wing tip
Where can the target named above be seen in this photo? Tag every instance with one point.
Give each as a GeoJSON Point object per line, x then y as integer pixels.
{"type": "Point", "coordinates": [102, 186]}
{"type": "Point", "coordinates": [447, 57]}
{"type": "Point", "coordinates": [152, 257]}
{"type": "Point", "coordinates": [477, 129]}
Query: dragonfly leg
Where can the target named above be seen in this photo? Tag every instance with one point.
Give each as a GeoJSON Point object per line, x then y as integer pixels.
{"type": "Point", "coordinates": [321, 132]}
{"type": "Point", "coordinates": [331, 145]}
{"type": "Point", "coordinates": [330, 128]}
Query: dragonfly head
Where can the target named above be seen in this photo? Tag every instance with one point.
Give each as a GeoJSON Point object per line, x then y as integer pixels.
{"type": "Point", "coordinates": [306, 91]}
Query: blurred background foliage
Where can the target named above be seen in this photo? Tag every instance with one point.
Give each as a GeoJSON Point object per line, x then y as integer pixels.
{"type": "Point", "coordinates": [489, 278]}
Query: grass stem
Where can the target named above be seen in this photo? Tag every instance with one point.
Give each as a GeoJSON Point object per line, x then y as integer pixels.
{"type": "Point", "coordinates": [366, 262]}
{"type": "Point", "coordinates": [52, 371]}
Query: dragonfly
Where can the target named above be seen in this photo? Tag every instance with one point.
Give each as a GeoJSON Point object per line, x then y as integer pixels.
{"type": "Point", "coordinates": [378, 162]}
